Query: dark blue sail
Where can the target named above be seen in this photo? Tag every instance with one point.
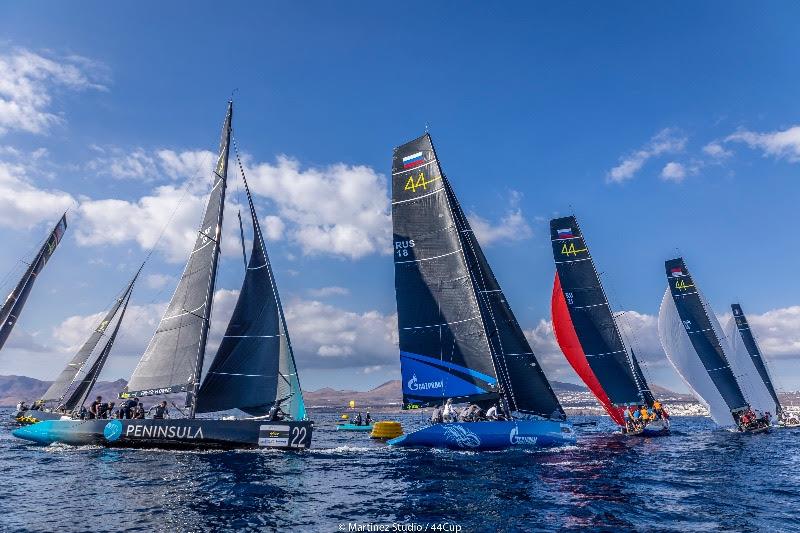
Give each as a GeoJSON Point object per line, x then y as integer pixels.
{"type": "Point", "coordinates": [444, 350]}
{"type": "Point", "coordinates": [590, 315]}
{"type": "Point", "coordinates": [705, 342]}
{"type": "Point", "coordinates": [9, 313]}
{"type": "Point", "coordinates": [755, 353]}
{"type": "Point", "coordinates": [254, 365]}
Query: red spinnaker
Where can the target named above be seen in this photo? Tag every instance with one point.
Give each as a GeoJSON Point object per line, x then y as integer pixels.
{"type": "Point", "coordinates": [568, 341]}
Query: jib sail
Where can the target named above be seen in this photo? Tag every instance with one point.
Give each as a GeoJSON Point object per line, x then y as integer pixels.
{"type": "Point", "coordinates": [254, 366]}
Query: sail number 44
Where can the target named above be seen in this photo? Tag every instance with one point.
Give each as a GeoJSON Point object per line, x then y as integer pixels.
{"type": "Point", "coordinates": [418, 182]}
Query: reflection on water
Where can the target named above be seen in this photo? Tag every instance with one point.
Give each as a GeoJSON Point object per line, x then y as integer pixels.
{"type": "Point", "coordinates": [698, 478]}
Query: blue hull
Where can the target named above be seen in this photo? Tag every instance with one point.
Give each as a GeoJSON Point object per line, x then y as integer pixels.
{"type": "Point", "coordinates": [495, 435]}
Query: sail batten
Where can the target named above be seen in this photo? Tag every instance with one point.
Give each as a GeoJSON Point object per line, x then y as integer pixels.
{"type": "Point", "coordinates": [173, 359]}
{"type": "Point", "coordinates": [12, 307]}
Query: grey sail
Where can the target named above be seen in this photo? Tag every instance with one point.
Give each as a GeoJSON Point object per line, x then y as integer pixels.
{"type": "Point", "coordinates": [77, 396]}
{"type": "Point", "coordinates": [56, 391]}
{"type": "Point", "coordinates": [524, 385]}
{"type": "Point", "coordinates": [254, 365]}
{"type": "Point", "coordinates": [749, 340]}
{"type": "Point", "coordinates": [12, 307]}
{"type": "Point", "coordinates": [173, 359]}
{"type": "Point", "coordinates": [444, 349]}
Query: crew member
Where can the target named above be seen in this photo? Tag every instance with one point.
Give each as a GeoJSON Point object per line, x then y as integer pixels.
{"type": "Point", "coordinates": [275, 412]}
{"type": "Point", "coordinates": [94, 407]}
{"type": "Point", "coordinates": [491, 413]}
{"type": "Point", "coordinates": [368, 419]}
{"type": "Point", "coordinates": [449, 413]}
{"type": "Point", "coordinates": [436, 416]}
{"type": "Point", "coordinates": [160, 411]}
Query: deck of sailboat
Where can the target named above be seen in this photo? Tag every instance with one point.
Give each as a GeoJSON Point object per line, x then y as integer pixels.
{"type": "Point", "coordinates": [172, 433]}
{"type": "Point", "coordinates": [490, 435]}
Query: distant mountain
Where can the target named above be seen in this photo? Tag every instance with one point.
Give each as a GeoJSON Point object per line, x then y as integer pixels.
{"type": "Point", "coordinates": [16, 388]}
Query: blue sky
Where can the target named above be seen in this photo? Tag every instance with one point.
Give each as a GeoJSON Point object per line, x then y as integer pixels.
{"type": "Point", "coordinates": [662, 127]}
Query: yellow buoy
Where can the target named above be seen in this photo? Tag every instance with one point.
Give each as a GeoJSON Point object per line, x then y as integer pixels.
{"type": "Point", "coordinates": [386, 429]}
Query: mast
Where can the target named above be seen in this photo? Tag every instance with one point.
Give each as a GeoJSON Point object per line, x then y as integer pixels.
{"type": "Point", "coordinates": [12, 307]}
{"type": "Point", "coordinates": [173, 360]}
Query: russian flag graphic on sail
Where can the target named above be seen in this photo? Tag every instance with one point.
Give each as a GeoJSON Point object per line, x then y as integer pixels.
{"type": "Point", "coordinates": [414, 160]}
{"type": "Point", "coordinates": [565, 233]}
{"type": "Point", "coordinates": [676, 272]}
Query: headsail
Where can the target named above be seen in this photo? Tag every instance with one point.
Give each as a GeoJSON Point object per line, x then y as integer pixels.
{"type": "Point", "coordinates": [254, 366]}
{"type": "Point", "coordinates": [755, 380]}
{"type": "Point", "coordinates": [701, 332]}
{"type": "Point", "coordinates": [585, 328]}
{"type": "Point", "coordinates": [444, 352]}
{"type": "Point", "coordinates": [9, 313]}
{"type": "Point", "coordinates": [59, 388]}
{"type": "Point", "coordinates": [522, 381]}
{"type": "Point", "coordinates": [173, 360]}
{"type": "Point", "coordinates": [78, 395]}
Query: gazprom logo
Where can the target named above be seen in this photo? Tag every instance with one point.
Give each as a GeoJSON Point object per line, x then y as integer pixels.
{"type": "Point", "coordinates": [414, 385]}
{"type": "Point", "coordinates": [514, 437]}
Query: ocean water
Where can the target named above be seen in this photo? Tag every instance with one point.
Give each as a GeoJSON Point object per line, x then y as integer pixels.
{"type": "Point", "coordinates": [698, 479]}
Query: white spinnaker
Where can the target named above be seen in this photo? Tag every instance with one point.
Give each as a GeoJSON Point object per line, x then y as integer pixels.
{"type": "Point", "coordinates": [687, 363]}
{"type": "Point", "coordinates": [753, 387]}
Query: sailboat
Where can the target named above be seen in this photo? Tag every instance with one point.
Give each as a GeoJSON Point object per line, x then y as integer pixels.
{"type": "Point", "coordinates": [67, 394]}
{"type": "Point", "coordinates": [459, 340]}
{"type": "Point", "coordinates": [696, 346]}
{"type": "Point", "coordinates": [588, 335]}
{"type": "Point", "coordinates": [253, 370]}
{"type": "Point", "coordinates": [12, 307]}
{"type": "Point", "coordinates": [739, 329]}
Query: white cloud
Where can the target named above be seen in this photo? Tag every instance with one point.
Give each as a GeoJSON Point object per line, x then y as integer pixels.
{"type": "Point", "coordinates": [512, 227]}
{"type": "Point", "coordinates": [338, 210]}
{"type": "Point", "coordinates": [27, 83]}
{"type": "Point", "coordinates": [666, 141]}
{"type": "Point", "coordinates": [324, 292]}
{"type": "Point", "coordinates": [23, 204]}
{"type": "Point", "coordinates": [325, 336]}
{"type": "Point", "coordinates": [194, 165]}
{"type": "Point", "coordinates": [777, 331]}
{"type": "Point", "coordinates": [716, 150]}
{"type": "Point", "coordinates": [273, 228]}
{"type": "Point", "coordinates": [114, 162]}
{"type": "Point", "coordinates": [158, 281]}
{"type": "Point", "coordinates": [780, 144]}
{"type": "Point", "coordinates": [673, 171]}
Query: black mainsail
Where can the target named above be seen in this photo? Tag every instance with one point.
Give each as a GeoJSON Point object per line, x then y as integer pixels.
{"type": "Point", "coordinates": [254, 366]}
{"type": "Point", "coordinates": [59, 388]}
{"type": "Point", "coordinates": [9, 313]}
{"type": "Point", "coordinates": [600, 356]}
{"type": "Point", "coordinates": [173, 359]}
{"type": "Point", "coordinates": [458, 337]}
{"type": "Point", "coordinates": [692, 312]}
{"type": "Point", "coordinates": [755, 353]}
